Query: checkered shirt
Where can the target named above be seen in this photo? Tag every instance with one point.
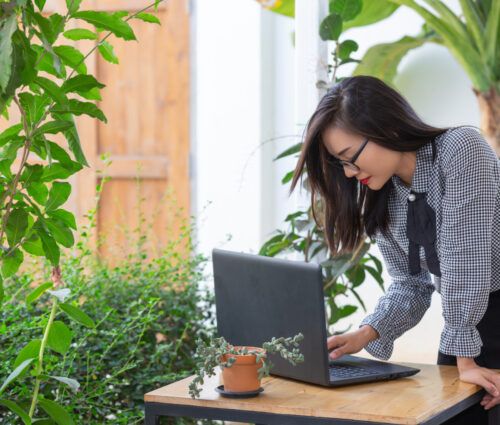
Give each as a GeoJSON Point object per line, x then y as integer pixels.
{"type": "Point", "coordinates": [462, 187]}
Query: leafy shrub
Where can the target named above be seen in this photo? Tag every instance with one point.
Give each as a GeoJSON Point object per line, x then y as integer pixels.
{"type": "Point", "coordinates": [148, 312]}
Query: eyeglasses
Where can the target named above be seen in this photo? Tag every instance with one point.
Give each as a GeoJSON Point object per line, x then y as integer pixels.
{"type": "Point", "coordinates": [340, 163]}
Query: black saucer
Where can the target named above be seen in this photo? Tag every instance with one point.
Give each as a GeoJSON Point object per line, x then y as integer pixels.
{"type": "Point", "coordinates": [244, 394]}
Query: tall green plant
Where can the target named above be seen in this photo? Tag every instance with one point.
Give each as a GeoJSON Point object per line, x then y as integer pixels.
{"type": "Point", "coordinates": [472, 36]}
{"type": "Point", "coordinates": [343, 274]}
{"type": "Point", "coordinates": [42, 77]}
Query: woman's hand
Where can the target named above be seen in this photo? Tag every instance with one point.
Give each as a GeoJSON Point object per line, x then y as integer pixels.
{"type": "Point", "coordinates": [350, 342]}
{"type": "Point", "coordinates": [484, 377]}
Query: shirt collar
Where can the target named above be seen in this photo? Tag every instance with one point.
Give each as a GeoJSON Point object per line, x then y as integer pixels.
{"type": "Point", "coordinates": [423, 168]}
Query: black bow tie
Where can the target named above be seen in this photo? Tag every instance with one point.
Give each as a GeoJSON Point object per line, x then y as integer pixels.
{"type": "Point", "coordinates": [421, 230]}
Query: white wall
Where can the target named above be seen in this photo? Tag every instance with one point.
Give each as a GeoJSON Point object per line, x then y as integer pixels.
{"type": "Point", "coordinates": [243, 97]}
{"type": "Point", "coordinates": [226, 124]}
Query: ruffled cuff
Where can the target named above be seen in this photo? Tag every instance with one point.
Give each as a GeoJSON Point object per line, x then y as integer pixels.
{"type": "Point", "coordinates": [463, 341]}
{"type": "Point", "coordinates": [383, 346]}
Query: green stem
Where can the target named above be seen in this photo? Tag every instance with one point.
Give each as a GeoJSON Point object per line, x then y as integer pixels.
{"type": "Point", "coordinates": [40, 358]}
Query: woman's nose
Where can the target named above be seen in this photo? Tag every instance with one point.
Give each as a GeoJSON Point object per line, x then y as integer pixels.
{"type": "Point", "coordinates": [349, 172]}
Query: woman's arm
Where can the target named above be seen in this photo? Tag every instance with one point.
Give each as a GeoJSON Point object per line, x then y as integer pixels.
{"type": "Point", "coordinates": [471, 185]}
{"type": "Point", "coordinates": [403, 305]}
{"type": "Point", "coordinates": [468, 210]}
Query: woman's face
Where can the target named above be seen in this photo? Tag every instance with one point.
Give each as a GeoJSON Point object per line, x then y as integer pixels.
{"type": "Point", "coordinates": [375, 162]}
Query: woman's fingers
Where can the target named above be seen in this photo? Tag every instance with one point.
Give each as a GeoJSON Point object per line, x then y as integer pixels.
{"type": "Point", "coordinates": [489, 386]}
{"type": "Point", "coordinates": [339, 352]}
{"type": "Point", "coordinates": [336, 345]}
{"type": "Point", "coordinates": [492, 401]}
{"type": "Point", "coordinates": [482, 377]}
{"type": "Point", "coordinates": [335, 341]}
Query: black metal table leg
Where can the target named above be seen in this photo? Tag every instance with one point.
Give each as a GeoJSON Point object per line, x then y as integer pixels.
{"type": "Point", "coordinates": [150, 418]}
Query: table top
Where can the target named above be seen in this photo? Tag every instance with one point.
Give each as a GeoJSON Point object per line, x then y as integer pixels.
{"type": "Point", "coordinates": [410, 400]}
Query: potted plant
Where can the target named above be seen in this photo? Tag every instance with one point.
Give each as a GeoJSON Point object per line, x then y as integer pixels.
{"type": "Point", "coordinates": [243, 367]}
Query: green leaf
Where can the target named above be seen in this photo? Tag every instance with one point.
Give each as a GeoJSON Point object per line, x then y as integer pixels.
{"type": "Point", "coordinates": [107, 21]}
{"type": "Point", "coordinates": [53, 127]}
{"type": "Point", "coordinates": [288, 177]}
{"type": "Point", "coordinates": [58, 195]}
{"type": "Point", "coordinates": [18, 75]}
{"type": "Point", "coordinates": [73, 141]}
{"type": "Point", "coordinates": [52, 89]}
{"type": "Point", "coordinates": [38, 292]}
{"type": "Point", "coordinates": [9, 133]}
{"type": "Point", "coordinates": [8, 28]}
{"type": "Point", "coordinates": [59, 338]}
{"type": "Point", "coordinates": [290, 151]}
{"type": "Point", "coordinates": [11, 263]}
{"type": "Point", "coordinates": [78, 315]}
{"type": "Point", "coordinates": [371, 12]}
{"type": "Point", "coordinates": [17, 371]}
{"type": "Point", "coordinates": [492, 35]}
{"type": "Point", "coordinates": [48, 61]}
{"type": "Point", "coordinates": [376, 275]}
{"type": "Point", "coordinates": [72, 57]}
{"type": "Point", "coordinates": [80, 34]}
{"type": "Point", "coordinates": [60, 232]}
{"type": "Point", "coordinates": [81, 83]}
{"type": "Point", "coordinates": [30, 351]}
{"type": "Point", "coordinates": [15, 408]}
{"type": "Point", "coordinates": [40, 4]}
{"type": "Point", "coordinates": [33, 245]}
{"type": "Point", "coordinates": [56, 171]}
{"type": "Point", "coordinates": [77, 107]}
{"type": "Point", "coordinates": [2, 292]}
{"type": "Point", "coordinates": [48, 34]}
{"type": "Point", "coordinates": [148, 17]}
{"type": "Point", "coordinates": [64, 216]}
{"type": "Point", "coordinates": [347, 9]}
{"type": "Point", "coordinates": [59, 154]}
{"type": "Point", "coordinates": [331, 27]}
{"type": "Point", "coordinates": [10, 150]}
{"type": "Point", "coordinates": [28, 54]}
{"type": "Point", "coordinates": [5, 165]}
{"type": "Point", "coordinates": [31, 174]}
{"type": "Point", "coordinates": [16, 227]}
{"type": "Point", "coordinates": [382, 60]}
{"type": "Point", "coordinates": [34, 106]}
{"type": "Point", "coordinates": [341, 312]}
{"type": "Point", "coordinates": [55, 411]}
{"type": "Point", "coordinates": [346, 48]}
{"type": "Point", "coordinates": [107, 52]}
{"type": "Point", "coordinates": [49, 245]}
{"type": "Point", "coordinates": [73, 5]}
{"type": "Point", "coordinates": [39, 192]}
{"type": "Point", "coordinates": [92, 94]}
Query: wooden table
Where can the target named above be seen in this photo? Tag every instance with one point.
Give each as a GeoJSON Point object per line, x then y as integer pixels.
{"type": "Point", "coordinates": [430, 397]}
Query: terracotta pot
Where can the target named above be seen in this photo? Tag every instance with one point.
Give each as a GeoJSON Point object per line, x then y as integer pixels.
{"type": "Point", "coordinates": [242, 375]}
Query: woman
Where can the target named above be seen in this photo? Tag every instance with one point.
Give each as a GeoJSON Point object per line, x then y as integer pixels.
{"type": "Point", "coordinates": [430, 198]}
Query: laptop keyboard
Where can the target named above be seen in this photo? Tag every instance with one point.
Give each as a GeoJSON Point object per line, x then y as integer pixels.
{"type": "Point", "coordinates": [345, 371]}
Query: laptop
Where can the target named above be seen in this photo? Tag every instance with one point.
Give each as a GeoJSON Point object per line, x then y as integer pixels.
{"type": "Point", "coordinates": [258, 297]}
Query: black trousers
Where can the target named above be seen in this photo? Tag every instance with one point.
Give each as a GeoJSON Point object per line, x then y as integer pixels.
{"type": "Point", "coordinates": [489, 329]}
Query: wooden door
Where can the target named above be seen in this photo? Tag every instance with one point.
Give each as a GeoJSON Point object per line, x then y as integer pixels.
{"type": "Point", "coordinates": [146, 101]}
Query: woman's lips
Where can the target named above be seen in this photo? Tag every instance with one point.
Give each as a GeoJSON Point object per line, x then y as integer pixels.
{"type": "Point", "coordinates": [365, 181]}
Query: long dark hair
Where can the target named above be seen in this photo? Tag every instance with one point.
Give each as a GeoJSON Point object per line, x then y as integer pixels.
{"type": "Point", "coordinates": [366, 106]}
